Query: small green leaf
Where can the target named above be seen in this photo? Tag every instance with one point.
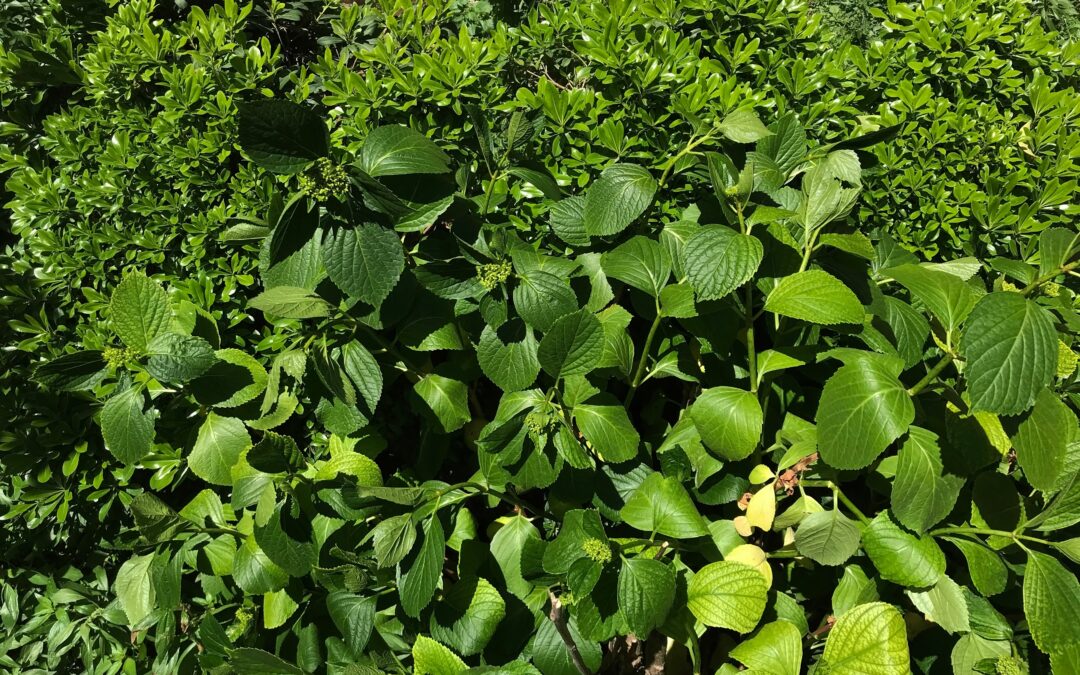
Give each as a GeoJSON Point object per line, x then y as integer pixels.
{"type": "Point", "coordinates": [217, 448]}
{"type": "Point", "coordinates": [943, 604]}
{"type": "Point", "coordinates": [447, 399]}
{"type": "Point", "coordinates": [1051, 603]}
{"type": "Point", "coordinates": [257, 662]}
{"type": "Point", "coordinates": [127, 430]}
{"type": "Point", "coordinates": [541, 298]}
{"type": "Point", "coordinates": [985, 567]}
{"type": "Point", "coordinates": [945, 295]}
{"type": "Point", "coordinates": [80, 371]}
{"type": "Point", "coordinates": [863, 408]}
{"type": "Point", "coordinates": [870, 638]}
{"type": "Point", "coordinates": [1041, 440]}
{"type": "Point", "coordinates": [354, 617]}
{"type": "Point", "coordinates": [290, 302]}
{"type": "Point", "coordinates": [817, 297]}
{"type": "Point", "coordinates": [640, 262]}
{"type": "Point", "coordinates": [646, 592]}
{"type": "Point", "coordinates": [662, 505]}
{"type": "Point", "coordinates": [281, 136]}
{"type": "Point", "coordinates": [728, 595]}
{"type": "Point", "coordinates": [923, 493]}
{"type": "Point", "coordinates": [1010, 346]}
{"type": "Point", "coordinates": [743, 126]}
{"type": "Point", "coordinates": [134, 588]}
{"type": "Point", "coordinates": [175, 358]}
{"type": "Point", "coordinates": [468, 616]}
{"type": "Point", "coordinates": [717, 260]}
{"type": "Point", "coordinates": [901, 557]}
{"type": "Point", "coordinates": [421, 573]}
{"type": "Point", "coordinates": [776, 649]}
{"type": "Point", "coordinates": [617, 198]}
{"type": "Point", "coordinates": [140, 311]}
{"type": "Point", "coordinates": [365, 261]}
{"type": "Point", "coordinates": [432, 658]}
{"type": "Point", "coordinates": [608, 429]}
{"type": "Point", "coordinates": [396, 150]}
{"type": "Point", "coordinates": [393, 539]}
{"type": "Point", "coordinates": [729, 421]}
{"type": "Point", "coordinates": [827, 537]}
{"type": "Point", "coordinates": [512, 366]}
{"type": "Point", "coordinates": [572, 346]}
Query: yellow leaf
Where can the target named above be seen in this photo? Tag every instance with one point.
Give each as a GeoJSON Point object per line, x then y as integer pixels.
{"type": "Point", "coordinates": [751, 555]}
{"type": "Point", "coordinates": [762, 508]}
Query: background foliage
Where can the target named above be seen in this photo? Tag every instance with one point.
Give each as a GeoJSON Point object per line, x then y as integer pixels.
{"type": "Point", "coordinates": [564, 224]}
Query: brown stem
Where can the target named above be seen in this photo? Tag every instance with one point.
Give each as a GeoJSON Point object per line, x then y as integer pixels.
{"type": "Point", "coordinates": [558, 617]}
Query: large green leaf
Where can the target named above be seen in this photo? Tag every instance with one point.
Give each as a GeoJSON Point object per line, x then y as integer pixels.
{"type": "Point", "coordinates": [640, 262]}
{"type": "Point", "coordinates": [510, 365]}
{"type": "Point", "coordinates": [432, 658]}
{"type": "Point", "coordinates": [1041, 441]}
{"type": "Point", "coordinates": [863, 408]}
{"type": "Point", "coordinates": [395, 150]}
{"type": "Point", "coordinates": [775, 649]}
{"type": "Point", "coordinates": [900, 556]}
{"type": "Point", "coordinates": [608, 429]}
{"type": "Point", "coordinates": [985, 567]}
{"type": "Point", "coordinates": [364, 261]}
{"type": "Point", "coordinates": [870, 639]}
{"type": "Point", "coordinates": [468, 615]}
{"type": "Point", "coordinates": [217, 448]}
{"type": "Point", "coordinates": [447, 399]}
{"type": "Point", "coordinates": [134, 588]}
{"type": "Point", "coordinates": [508, 546]}
{"type": "Point", "coordinates": [923, 493]}
{"type": "Point", "coordinates": [79, 371]}
{"type": "Point", "coordinates": [139, 310]}
{"type": "Point", "coordinates": [354, 616]}
{"type": "Point", "coordinates": [943, 604]}
{"type": "Point", "coordinates": [1051, 603]}
{"type": "Point", "coordinates": [127, 430]}
{"type": "Point", "coordinates": [281, 136]}
{"type": "Point", "coordinates": [662, 505]}
{"type": "Point", "coordinates": [729, 421]}
{"type": "Point", "coordinates": [290, 302]}
{"type": "Point", "coordinates": [646, 592]}
{"type": "Point", "coordinates": [946, 296]}
{"type": "Point", "coordinates": [617, 198]}
{"type": "Point", "coordinates": [176, 358]}
{"type": "Point", "coordinates": [572, 346]}
{"type": "Point", "coordinates": [728, 595]}
{"type": "Point", "coordinates": [827, 537]}
{"type": "Point", "coordinates": [717, 260]}
{"type": "Point", "coordinates": [393, 538]}
{"type": "Point", "coordinates": [540, 298]}
{"type": "Point", "coordinates": [817, 297]}
{"type": "Point", "coordinates": [1010, 346]}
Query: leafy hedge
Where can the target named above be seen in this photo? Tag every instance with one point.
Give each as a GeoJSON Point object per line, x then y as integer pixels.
{"type": "Point", "coordinates": [429, 337]}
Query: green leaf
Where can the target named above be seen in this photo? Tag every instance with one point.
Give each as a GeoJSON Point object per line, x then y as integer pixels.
{"type": "Point", "coordinates": [729, 421]}
{"type": "Point", "coordinates": [468, 615]}
{"type": "Point", "coordinates": [641, 263]}
{"type": "Point", "coordinates": [971, 648]}
{"type": "Point", "coordinates": [1041, 440]}
{"type": "Point", "coordinates": [1051, 603]}
{"type": "Point", "coordinates": [617, 198]}
{"type": "Point", "coordinates": [943, 604]}
{"type": "Point", "coordinates": [1010, 346]}
{"type": "Point", "coordinates": [134, 588]}
{"type": "Point", "coordinates": [365, 261]}
{"type": "Point", "coordinates": [235, 378]}
{"type": "Point", "coordinates": [1056, 245]}
{"type": "Point", "coordinates": [175, 358]}
{"type": "Point", "coordinates": [945, 295]}
{"type": "Point", "coordinates": [901, 557]}
{"type": "Point", "coordinates": [717, 260]}
{"type": "Point", "coordinates": [662, 505]}
{"type": "Point", "coordinates": [728, 595]}
{"type": "Point", "coordinates": [220, 443]}
{"type": "Point", "coordinates": [396, 150]}
{"type": "Point", "coordinates": [827, 537]}
{"type": "Point", "coordinates": [393, 539]}
{"type": "Point", "coordinates": [567, 220]}
{"type": "Point", "coordinates": [431, 658]}
{"type": "Point", "coordinates": [551, 655]}
{"type": "Point", "coordinates": [140, 311]}
{"type": "Point", "coordinates": [539, 179]}
{"type": "Point", "coordinates": [854, 589]}
{"type": "Point", "coordinates": [292, 554]}
{"type": "Point", "coordinates": [295, 227]}
{"type": "Point", "coordinates": [646, 593]}
{"type": "Point", "coordinates": [508, 546]}
{"type": "Point", "coordinates": [578, 526]}
{"type": "Point", "coordinates": [281, 136]}
{"type": "Point", "coordinates": [447, 399]}
{"type": "Point", "coordinates": [985, 567]}
{"type": "Point", "coordinates": [80, 371]}
{"type": "Point", "coordinates": [354, 617]}
{"type": "Point", "coordinates": [127, 430]}
{"type": "Point", "coordinates": [363, 371]}
{"type": "Point", "coordinates": [572, 346]}
{"type": "Point", "coordinates": [608, 430]}
{"type": "Point", "coordinates": [420, 576]}
{"type": "Point", "coordinates": [743, 126]}
{"type": "Point", "coordinates": [254, 572]}
{"type": "Point", "coordinates": [512, 366]}
{"type": "Point", "coordinates": [257, 662]}
{"type": "Point", "coordinates": [290, 302]}
{"type": "Point", "coordinates": [817, 297]}
{"type": "Point", "coordinates": [922, 493]}
{"type": "Point", "coordinates": [870, 638]}
{"type": "Point", "coordinates": [541, 298]}
{"type": "Point", "coordinates": [775, 649]}
{"type": "Point", "coordinates": [863, 408]}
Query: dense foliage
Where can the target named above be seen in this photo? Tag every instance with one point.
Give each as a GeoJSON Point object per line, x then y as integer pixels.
{"type": "Point", "coordinates": [567, 337]}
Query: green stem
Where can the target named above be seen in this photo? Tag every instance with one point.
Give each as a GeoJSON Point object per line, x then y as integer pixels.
{"type": "Point", "coordinates": [639, 372]}
{"type": "Point", "coordinates": [488, 192]}
{"type": "Point", "coordinates": [682, 153]}
{"type": "Point", "coordinates": [811, 242]}
{"type": "Point", "coordinates": [850, 505]}
{"type": "Point", "coordinates": [931, 375]}
{"type": "Point", "coordinates": [483, 489]}
{"type": "Point", "coordinates": [989, 533]}
{"type": "Point", "coordinates": [1049, 276]}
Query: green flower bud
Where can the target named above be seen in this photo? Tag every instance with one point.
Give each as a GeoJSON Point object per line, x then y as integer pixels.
{"type": "Point", "coordinates": [118, 357]}
{"type": "Point", "coordinates": [324, 180]}
{"type": "Point", "coordinates": [1066, 361]}
{"type": "Point", "coordinates": [597, 550]}
{"type": "Point", "coordinates": [493, 274]}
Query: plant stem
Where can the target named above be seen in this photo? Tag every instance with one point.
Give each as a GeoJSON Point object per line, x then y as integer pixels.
{"type": "Point", "coordinates": [1064, 269]}
{"type": "Point", "coordinates": [990, 533]}
{"type": "Point", "coordinates": [682, 153]}
{"type": "Point", "coordinates": [850, 505]}
{"type": "Point", "coordinates": [558, 617]}
{"type": "Point", "coordinates": [751, 349]}
{"type": "Point", "coordinates": [931, 375]}
{"type": "Point", "coordinates": [639, 372]}
{"type": "Point", "coordinates": [487, 193]}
